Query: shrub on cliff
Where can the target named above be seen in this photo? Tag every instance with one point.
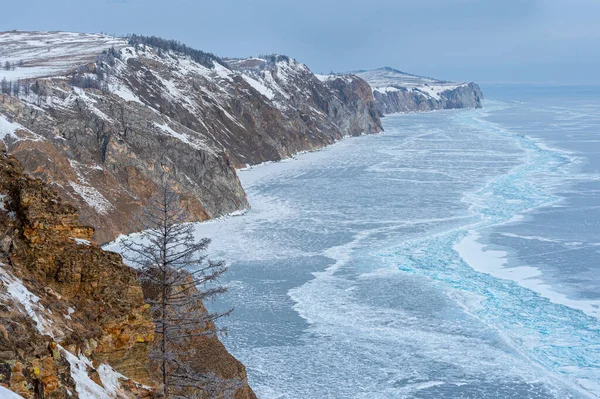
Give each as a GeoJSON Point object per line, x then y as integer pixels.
{"type": "Point", "coordinates": [201, 57]}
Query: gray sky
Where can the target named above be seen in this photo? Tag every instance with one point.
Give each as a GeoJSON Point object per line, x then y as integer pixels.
{"type": "Point", "coordinates": [482, 40]}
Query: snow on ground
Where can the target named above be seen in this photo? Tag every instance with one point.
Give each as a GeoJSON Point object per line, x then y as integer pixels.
{"type": "Point", "coordinates": [386, 80]}
{"type": "Point", "coordinates": [89, 102]}
{"type": "Point", "coordinates": [222, 72]}
{"type": "Point", "coordinates": [194, 142]}
{"type": "Point", "coordinates": [8, 128]}
{"type": "Point", "coordinates": [85, 386]}
{"type": "Point", "coordinates": [435, 91]}
{"type": "Point", "coordinates": [259, 86]}
{"type": "Point", "coordinates": [92, 197]}
{"type": "Point", "coordinates": [110, 378]}
{"type": "Point", "coordinates": [27, 300]}
{"type": "Point", "coordinates": [81, 241]}
{"type": "Point", "coordinates": [385, 77]}
{"type": "Point", "coordinates": [8, 394]}
{"type": "Point", "coordinates": [125, 93]}
{"type": "Point", "coordinates": [50, 53]}
{"type": "Point", "coordinates": [385, 89]}
{"type": "Point", "coordinates": [324, 78]}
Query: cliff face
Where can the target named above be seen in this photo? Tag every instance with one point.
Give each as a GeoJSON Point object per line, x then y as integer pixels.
{"type": "Point", "coordinates": [149, 111]}
{"type": "Point", "coordinates": [74, 321]}
{"type": "Point", "coordinates": [396, 91]}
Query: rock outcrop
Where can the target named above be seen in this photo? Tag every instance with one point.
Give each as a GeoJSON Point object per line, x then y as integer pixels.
{"type": "Point", "coordinates": [396, 91]}
{"type": "Point", "coordinates": [74, 321]}
{"type": "Point", "coordinates": [104, 127]}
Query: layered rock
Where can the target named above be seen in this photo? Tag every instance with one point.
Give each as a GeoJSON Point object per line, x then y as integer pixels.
{"type": "Point", "coordinates": [62, 298]}
{"type": "Point", "coordinates": [396, 91]}
{"type": "Point", "coordinates": [159, 112]}
{"type": "Point", "coordinates": [74, 321]}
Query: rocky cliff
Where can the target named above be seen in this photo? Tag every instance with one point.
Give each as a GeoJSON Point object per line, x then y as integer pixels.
{"type": "Point", "coordinates": [74, 321]}
{"type": "Point", "coordinates": [102, 119]}
{"type": "Point", "coordinates": [396, 91]}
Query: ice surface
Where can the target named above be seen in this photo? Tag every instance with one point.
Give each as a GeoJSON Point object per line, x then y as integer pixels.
{"type": "Point", "coordinates": [348, 280]}
{"type": "Point", "coordinates": [494, 262]}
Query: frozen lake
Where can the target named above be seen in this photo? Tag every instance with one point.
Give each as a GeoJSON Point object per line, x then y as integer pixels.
{"type": "Point", "coordinates": [453, 256]}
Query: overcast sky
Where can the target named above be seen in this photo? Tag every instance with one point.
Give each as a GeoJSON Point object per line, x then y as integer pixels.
{"type": "Point", "coordinates": [482, 40]}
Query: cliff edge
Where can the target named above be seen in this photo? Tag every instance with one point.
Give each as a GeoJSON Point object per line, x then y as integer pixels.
{"type": "Point", "coordinates": [74, 321]}
{"type": "Point", "coordinates": [101, 119]}
{"type": "Point", "coordinates": [399, 92]}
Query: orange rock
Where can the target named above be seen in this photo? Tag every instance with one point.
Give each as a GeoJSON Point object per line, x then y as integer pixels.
{"type": "Point", "coordinates": [51, 384]}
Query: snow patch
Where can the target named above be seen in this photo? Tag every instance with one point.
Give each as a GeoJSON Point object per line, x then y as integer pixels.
{"type": "Point", "coordinates": [195, 143]}
{"type": "Point", "coordinates": [385, 89]}
{"type": "Point", "coordinates": [110, 378]}
{"type": "Point", "coordinates": [93, 198]}
{"type": "Point", "coordinates": [81, 241]}
{"type": "Point", "coordinates": [89, 102]}
{"type": "Point", "coordinates": [21, 295]}
{"type": "Point", "coordinates": [5, 393]}
{"type": "Point", "coordinates": [387, 80]}
{"type": "Point", "coordinates": [258, 86]}
{"type": "Point", "coordinates": [324, 78]}
{"type": "Point", "coordinates": [125, 93]}
{"type": "Point", "coordinates": [86, 388]}
{"type": "Point", "coordinates": [70, 311]}
{"type": "Point", "coordinates": [8, 128]}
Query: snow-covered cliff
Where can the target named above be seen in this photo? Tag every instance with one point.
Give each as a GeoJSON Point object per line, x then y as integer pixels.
{"type": "Point", "coordinates": [104, 119]}
{"type": "Point", "coordinates": [397, 91]}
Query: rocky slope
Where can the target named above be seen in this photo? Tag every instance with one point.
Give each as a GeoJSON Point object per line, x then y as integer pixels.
{"type": "Point", "coordinates": [103, 120]}
{"type": "Point", "coordinates": [396, 91]}
{"type": "Point", "coordinates": [74, 321]}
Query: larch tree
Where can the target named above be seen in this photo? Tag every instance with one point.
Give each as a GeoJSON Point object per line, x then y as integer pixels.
{"type": "Point", "coordinates": [177, 278]}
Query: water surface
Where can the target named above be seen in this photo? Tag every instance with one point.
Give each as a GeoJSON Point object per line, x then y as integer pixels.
{"type": "Point", "coordinates": [453, 256]}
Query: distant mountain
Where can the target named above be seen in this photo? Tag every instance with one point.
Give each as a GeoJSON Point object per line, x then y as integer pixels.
{"type": "Point", "coordinates": [397, 91]}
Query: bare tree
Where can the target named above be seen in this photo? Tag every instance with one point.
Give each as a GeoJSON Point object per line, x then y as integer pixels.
{"type": "Point", "coordinates": [7, 65]}
{"type": "Point", "coordinates": [5, 86]}
{"type": "Point", "coordinates": [42, 91]}
{"type": "Point", "coordinates": [176, 276]}
{"type": "Point", "coordinates": [26, 88]}
{"type": "Point", "coordinates": [16, 88]}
